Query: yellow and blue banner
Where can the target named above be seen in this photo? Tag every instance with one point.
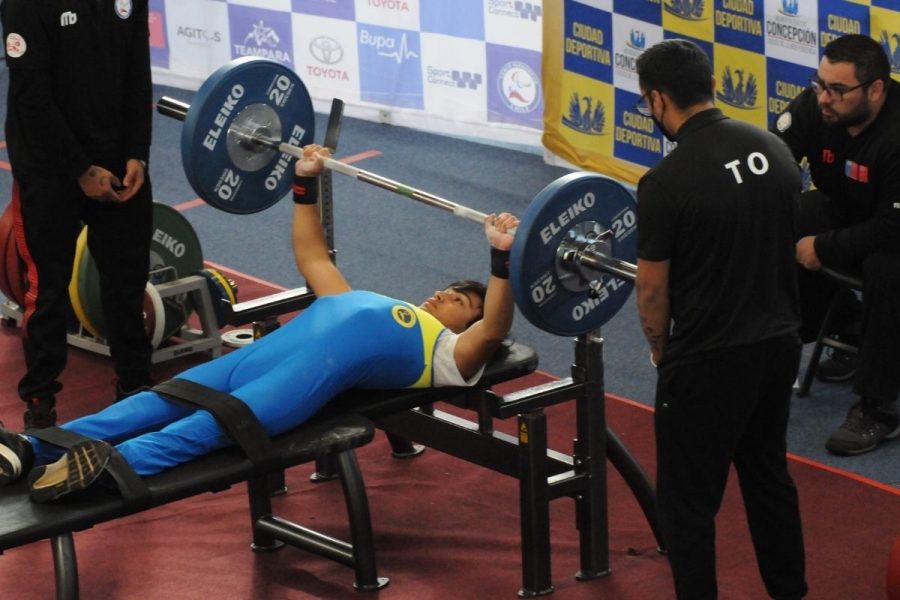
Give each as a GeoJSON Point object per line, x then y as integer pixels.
{"type": "Point", "coordinates": [763, 54]}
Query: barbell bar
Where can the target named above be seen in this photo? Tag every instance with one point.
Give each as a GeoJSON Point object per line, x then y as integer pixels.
{"type": "Point", "coordinates": [569, 263]}
{"type": "Point", "coordinates": [251, 139]}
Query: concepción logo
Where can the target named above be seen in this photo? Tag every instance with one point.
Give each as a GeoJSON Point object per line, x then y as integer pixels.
{"type": "Point", "coordinates": [636, 39]}
{"type": "Point", "coordinates": [589, 119]}
{"type": "Point", "coordinates": [691, 10]}
{"type": "Point", "coordinates": [737, 92]}
{"type": "Point", "coordinates": [790, 8]}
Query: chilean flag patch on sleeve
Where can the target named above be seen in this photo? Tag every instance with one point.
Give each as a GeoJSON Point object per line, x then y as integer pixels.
{"type": "Point", "coordinates": [856, 171]}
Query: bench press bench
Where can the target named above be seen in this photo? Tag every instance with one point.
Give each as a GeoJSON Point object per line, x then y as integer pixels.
{"type": "Point", "coordinates": [333, 435]}
{"type": "Point", "coordinates": [409, 418]}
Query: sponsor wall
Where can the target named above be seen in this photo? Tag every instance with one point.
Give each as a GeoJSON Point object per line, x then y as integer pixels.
{"type": "Point", "coordinates": [763, 52]}
{"type": "Point", "coordinates": [553, 72]}
{"type": "Point", "coordinates": [462, 67]}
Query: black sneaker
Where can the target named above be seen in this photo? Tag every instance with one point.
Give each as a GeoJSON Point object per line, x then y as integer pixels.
{"type": "Point", "coordinates": [41, 413]}
{"type": "Point", "coordinates": [861, 432]}
{"type": "Point", "coordinates": [16, 456]}
{"type": "Point", "coordinates": [839, 366]}
{"type": "Point", "coordinates": [78, 468]}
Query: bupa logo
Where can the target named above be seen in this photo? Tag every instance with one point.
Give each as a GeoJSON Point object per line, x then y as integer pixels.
{"type": "Point", "coordinates": [790, 8]}
{"type": "Point", "coordinates": [892, 50]}
{"type": "Point", "coordinates": [636, 39]}
{"type": "Point", "coordinates": [262, 35]}
{"type": "Point", "coordinates": [737, 92]}
{"type": "Point", "coordinates": [691, 10]}
{"type": "Point", "coordinates": [584, 117]}
{"type": "Point", "coordinates": [326, 50]}
{"type": "Point", "coordinates": [68, 18]}
{"type": "Point", "coordinates": [465, 79]}
{"type": "Point", "coordinates": [527, 10]}
{"type": "Point", "coordinates": [388, 46]}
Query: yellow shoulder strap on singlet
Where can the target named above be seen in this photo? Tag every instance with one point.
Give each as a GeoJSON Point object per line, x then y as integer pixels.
{"type": "Point", "coordinates": [431, 329]}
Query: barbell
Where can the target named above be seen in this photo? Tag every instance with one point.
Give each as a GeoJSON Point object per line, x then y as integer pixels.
{"type": "Point", "coordinates": [571, 263]}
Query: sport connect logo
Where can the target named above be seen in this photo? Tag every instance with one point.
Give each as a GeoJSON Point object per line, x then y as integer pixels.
{"type": "Point", "coordinates": [893, 53]}
{"type": "Point", "coordinates": [326, 50]}
{"type": "Point", "coordinates": [453, 78]}
{"type": "Point", "coordinates": [519, 87]}
{"type": "Point", "coordinates": [736, 91]}
{"type": "Point", "coordinates": [790, 8]}
{"type": "Point", "coordinates": [636, 39]}
{"type": "Point", "coordinates": [692, 10]}
{"type": "Point", "coordinates": [527, 10]}
{"type": "Point", "coordinates": [465, 79]}
{"type": "Point", "coordinates": [584, 117]}
{"type": "Point", "coordinates": [516, 9]}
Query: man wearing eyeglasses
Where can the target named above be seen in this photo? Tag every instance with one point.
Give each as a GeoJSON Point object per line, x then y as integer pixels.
{"type": "Point", "coordinates": [847, 125]}
{"type": "Point", "coordinates": [717, 299]}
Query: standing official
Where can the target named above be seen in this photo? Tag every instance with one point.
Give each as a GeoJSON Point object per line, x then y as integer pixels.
{"type": "Point", "coordinates": [78, 126]}
{"type": "Point", "coordinates": [717, 298]}
{"type": "Point", "coordinates": [847, 125]}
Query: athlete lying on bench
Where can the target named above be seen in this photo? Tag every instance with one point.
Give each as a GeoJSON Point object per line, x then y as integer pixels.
{"type": "Point", "coordinates": [345, 339]}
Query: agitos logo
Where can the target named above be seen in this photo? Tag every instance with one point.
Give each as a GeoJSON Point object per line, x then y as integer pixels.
{"type": "Point", "coordinates": [588, 119]}
{"type": "Point", "coordinates": [737, 92]}
{"type": "Point", "coordinates": [692, 10]}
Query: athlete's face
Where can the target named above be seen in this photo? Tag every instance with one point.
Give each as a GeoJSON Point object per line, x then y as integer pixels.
{"type": "Point", "coordinates": [454, 309]}
{"type": "Point", "coordinates": [843, 99]}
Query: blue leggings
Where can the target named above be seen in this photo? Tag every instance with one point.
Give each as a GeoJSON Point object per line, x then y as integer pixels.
{"type": "Point", "coordinates": [343, 341]}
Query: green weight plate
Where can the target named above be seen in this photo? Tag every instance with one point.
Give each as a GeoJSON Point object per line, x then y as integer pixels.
{"type": "Point", "coordinates": [174, 253]}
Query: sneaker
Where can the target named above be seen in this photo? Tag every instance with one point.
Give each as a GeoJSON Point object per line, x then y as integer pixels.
{"type": "Point", "coordinates": [839, 366]}
{"type": "Point", "coordinates": [78, 468]}
{"type": "Point", "coordinates": [861, 432]}
{"type": "Point", "coordinates": [41, 413]}
{"type": "Point", "coordinates": [16, 456]}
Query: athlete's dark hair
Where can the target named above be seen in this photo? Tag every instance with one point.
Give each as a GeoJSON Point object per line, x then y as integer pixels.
{"type": "Point", "coordinates": [865, 54]}
{"type": "Point", "coordinates": [468, 286]}
{"type": "Point", "coordinates": [680, 68]}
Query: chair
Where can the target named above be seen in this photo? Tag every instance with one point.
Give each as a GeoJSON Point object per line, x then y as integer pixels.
{"type": "Point", "coordinates": [826, 338]}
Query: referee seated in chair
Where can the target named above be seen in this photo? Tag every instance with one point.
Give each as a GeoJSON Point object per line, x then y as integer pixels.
{"type": "Point", "coordinates": [847, 124]}
{"type": "Point", "coordinates": [345, 339]}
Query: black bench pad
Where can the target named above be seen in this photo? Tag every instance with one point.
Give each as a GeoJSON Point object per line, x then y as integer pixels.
{"type": "Point", "coordinates": [23, 521]}
{"type": "Point", "coordinates": [511, 361]}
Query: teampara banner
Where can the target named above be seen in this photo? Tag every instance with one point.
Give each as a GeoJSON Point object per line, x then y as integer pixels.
{"type": "Point", "coordinates": [763, 55]}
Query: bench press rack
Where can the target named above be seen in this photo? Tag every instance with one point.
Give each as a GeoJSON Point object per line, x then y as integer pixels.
{"type": "Point", "coordinates": [206, 339]}
{"type": "Point", "coordinates": [543, 474]}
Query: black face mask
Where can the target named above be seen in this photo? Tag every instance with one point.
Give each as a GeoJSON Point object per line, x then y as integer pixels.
{"type": "Point", "coordinates": [659, 125]}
